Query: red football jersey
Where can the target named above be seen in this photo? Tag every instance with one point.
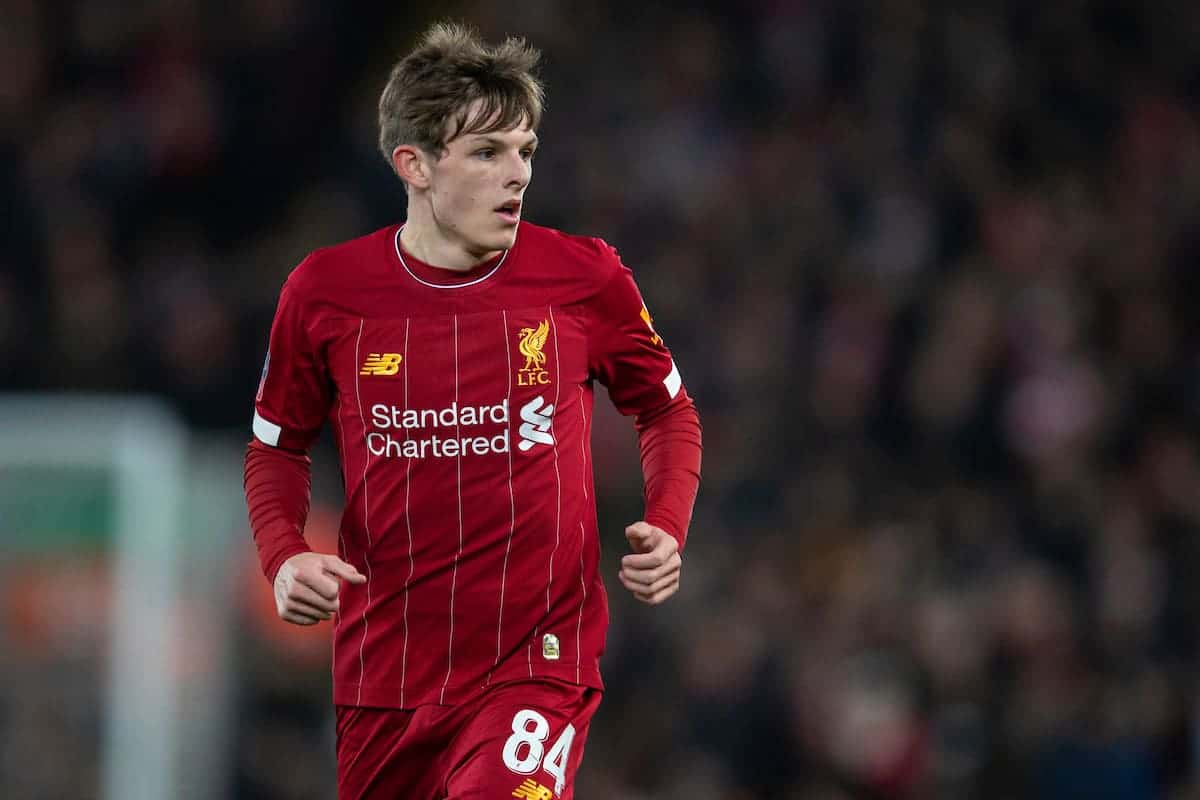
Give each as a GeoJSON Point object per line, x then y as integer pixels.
{"type": "Point", "coordinates": [461, 405]}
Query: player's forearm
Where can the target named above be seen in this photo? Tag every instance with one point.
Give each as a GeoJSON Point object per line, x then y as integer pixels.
{"type": "Point", "coordinates": [277, 485]}
{"type": "Point", "coordinates": [670, 444]}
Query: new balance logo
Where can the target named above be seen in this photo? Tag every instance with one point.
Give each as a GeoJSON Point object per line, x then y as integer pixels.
{"type": "Point", "coordinates": [532, 790]}
{"type": "Point", "coordinates": [381, 364]}
{"type": "Point", "coordinates": [535, 424]}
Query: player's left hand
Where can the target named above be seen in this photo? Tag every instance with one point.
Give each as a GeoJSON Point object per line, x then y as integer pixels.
{"type": "Point", "coordinates": [651, 571]}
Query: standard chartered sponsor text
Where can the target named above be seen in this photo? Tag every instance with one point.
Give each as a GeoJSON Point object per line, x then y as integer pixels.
{"type": "Point", "coordinates": [394, 431]}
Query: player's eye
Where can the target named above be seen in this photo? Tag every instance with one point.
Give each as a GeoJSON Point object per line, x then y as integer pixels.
{"type": "Point", "coordinates": [486, 153]}
{"type": "Point", "coordinates": [527, 153]}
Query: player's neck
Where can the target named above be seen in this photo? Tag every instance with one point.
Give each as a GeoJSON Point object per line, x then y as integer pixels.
{"type": "Point", "coordinates": [423, 242]}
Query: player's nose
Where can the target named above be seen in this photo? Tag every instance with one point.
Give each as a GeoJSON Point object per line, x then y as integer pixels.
{"type": "Point", "coordinates": [519, 172]}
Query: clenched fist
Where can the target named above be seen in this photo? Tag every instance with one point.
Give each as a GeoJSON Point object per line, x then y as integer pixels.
{"type": "Point", "coordinates": [307, 585]}
{"type": "Point", "coordinates": [651, 571]}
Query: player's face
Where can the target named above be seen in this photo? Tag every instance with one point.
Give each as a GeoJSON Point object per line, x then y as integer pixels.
{"type": "Point", "coordinates": [477, 187]}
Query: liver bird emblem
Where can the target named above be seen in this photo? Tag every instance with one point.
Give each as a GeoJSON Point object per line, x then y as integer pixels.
{"type": "Point", "coordinates": [532, 342]}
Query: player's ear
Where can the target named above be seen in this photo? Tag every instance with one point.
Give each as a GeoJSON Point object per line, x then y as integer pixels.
{"type": "Point", "coordinates": [411, 165]}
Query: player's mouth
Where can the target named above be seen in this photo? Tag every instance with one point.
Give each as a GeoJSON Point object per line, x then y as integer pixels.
{"type": "Point", "coordinates": [510, 212]}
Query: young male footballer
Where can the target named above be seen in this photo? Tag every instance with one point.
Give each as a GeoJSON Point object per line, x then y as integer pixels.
{"type": "Point", "coordinates": [454, 357]}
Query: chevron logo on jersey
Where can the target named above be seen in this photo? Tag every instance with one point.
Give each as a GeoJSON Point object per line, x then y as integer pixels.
{"type": "Point", "coordinates": [381, 364]}
{"type": "Point", "coordinates": [532, 342]}
{"type": "Point", "coordinates": [537, 418]}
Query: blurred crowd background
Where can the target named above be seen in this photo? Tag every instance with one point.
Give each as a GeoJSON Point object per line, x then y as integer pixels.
{"type": "Point", "coordinates": [929, 270]}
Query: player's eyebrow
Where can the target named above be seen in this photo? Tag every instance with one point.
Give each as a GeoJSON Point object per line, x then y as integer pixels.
{"type": "Point", "coordinates": [492, 141]}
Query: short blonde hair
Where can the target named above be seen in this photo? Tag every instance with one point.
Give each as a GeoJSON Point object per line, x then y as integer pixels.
{"type": "Point", "coordinates": [430, 91]}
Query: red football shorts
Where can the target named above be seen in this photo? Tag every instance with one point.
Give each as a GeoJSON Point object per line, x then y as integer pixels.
{"type": "Point", "coordinates": [521, 740]}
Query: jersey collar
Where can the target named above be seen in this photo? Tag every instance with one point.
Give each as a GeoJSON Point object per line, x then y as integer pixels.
{"type": "Point", "coordinates": [438, 278]}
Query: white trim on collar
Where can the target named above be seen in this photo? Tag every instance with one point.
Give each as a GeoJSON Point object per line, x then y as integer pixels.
{"type": "Point", "coordinates": [418, 279]}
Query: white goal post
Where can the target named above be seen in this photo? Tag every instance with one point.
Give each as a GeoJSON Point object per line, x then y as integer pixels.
{"type": "Point", "coordinates": [160, 737]}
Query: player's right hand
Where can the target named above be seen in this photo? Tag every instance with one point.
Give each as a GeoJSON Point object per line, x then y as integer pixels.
{"type": "Point", "coordinates": [307, 585]}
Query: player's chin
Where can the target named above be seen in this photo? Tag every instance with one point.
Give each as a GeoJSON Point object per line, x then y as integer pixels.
{"type": "Point", "coordinates": [489, 235]}
{"type": "Point", "coordinates": [493, 241]}
{"type": "Point", "coordinates": [507, 240]}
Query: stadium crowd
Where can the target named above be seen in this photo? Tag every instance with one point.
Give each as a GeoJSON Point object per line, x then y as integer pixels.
{"type": "Point", "coordinates": [929, 270]}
